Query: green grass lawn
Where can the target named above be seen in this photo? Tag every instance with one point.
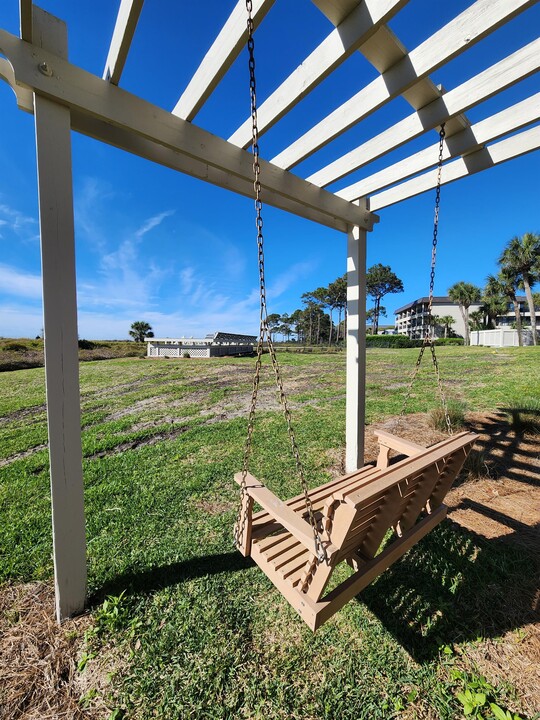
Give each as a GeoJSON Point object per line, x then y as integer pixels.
{"type": "Point", "coordinates": [196, 631]}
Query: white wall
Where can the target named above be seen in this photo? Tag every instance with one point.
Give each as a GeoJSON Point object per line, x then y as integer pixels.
{"type": "Point", "coordinates": [500, 337]}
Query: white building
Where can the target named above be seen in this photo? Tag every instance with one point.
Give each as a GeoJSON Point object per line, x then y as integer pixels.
{"type": "Point", "coordinates": [213, 345]}
{"type": "Point", "coordinates": [411, 319]}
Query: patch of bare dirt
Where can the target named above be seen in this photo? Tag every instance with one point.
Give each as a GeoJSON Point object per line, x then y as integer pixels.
{"type": "Point", "coordinates": [134, 444]}
{"type": "Point", "coordinates": [22, 414]}
{"type": "Point", "coordinates": [22, 455]}
{"type": "Point", "coordinates": [39, 679]}
{"type": "Point", "coordinates": [214, 507]}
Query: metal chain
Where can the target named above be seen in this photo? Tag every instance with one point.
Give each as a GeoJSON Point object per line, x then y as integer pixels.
{"type": "Point", "coordinates": [428, 339]}
{"type": "Point", "coordinates": [264, 332]}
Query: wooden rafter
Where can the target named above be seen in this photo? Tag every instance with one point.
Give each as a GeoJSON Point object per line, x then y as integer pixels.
{"type": "Point", "coordinates": [87, 94]}
{"type": "Point", "coordinates": [25, 14]}
{"type": "Point", "coordinates": [462, 32]}
{"type": "Point", "coordinates": [219, 58]}
{"type": "Point", "coordinates": [355, 29]}
{"type": "Point", "coordinates": [468, 140]}
{"type": "Point", "coordinates": [498, 77]}
{"type": "Point", "coordinates": [482, 159]}
{"type": "Point", "coordinates": [124, 30]}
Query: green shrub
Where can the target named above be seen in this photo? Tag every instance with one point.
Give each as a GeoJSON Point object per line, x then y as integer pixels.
{"type": "Point", "coordinates": [15, 347]}
{"type": "Point", "coordinates": [391, 341]}
{"type": "Point", "coordinates": [449, 341]}
{"type": "Point", "coordinates": [86, 345]}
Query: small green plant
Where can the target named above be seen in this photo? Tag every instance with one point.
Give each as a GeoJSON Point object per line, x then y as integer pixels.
{"type": "Point", "coordinates": [113, 616]}
{"type": "Point", "coordinates": [477, 696]}
{"type": "Point", "coordinates": [473, 702]}
{"type": "Point", "coordinates": [456, 413]}
{"type": "Point", "coordinates": [501, 714]}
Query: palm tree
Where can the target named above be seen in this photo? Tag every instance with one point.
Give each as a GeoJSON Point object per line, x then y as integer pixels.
{"type": "Point", "coordinates": [521, 259]}
{"type": "Point", "coordinates": [504, 285]}
{"type": "Point", "coordinates": [140, 329]}
{"type": "Point", "coordinates": [445, 321]}
{"type": "Point", "coordinates": [494, 300]}
{"type": "Point", "coordinates": [476, 320]}
{"type": "Point", "coordinates": [464, 294]}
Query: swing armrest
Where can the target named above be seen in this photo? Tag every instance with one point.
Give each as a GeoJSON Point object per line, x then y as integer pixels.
{"type": "Point", "coordinates": [282, 513]}
{"type": "Point", "coordinates": [388, 442]}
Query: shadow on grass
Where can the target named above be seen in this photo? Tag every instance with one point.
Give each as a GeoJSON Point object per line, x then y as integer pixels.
{"type": "Point", "coordinates": [149, 581]}
{"type": "Point", "coordinates": [456, 586]}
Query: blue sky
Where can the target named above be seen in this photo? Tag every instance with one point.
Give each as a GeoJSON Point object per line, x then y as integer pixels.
{"type": "Point", "coordinates": [155, 245]}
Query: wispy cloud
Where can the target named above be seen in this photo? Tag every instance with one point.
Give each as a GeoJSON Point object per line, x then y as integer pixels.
{"type": "Point", "coordinates": [88, 207]}
{"type": "Point", "coordinates": [289, 278]}
{"type": "Point", "coordinates": [22, 284]}
{"type": "Point", "coordinates": [125, 277]}
{"type": "Point", "coordinates": [152, 223]}
{"type": "Point", "coordinates": [24, 226]}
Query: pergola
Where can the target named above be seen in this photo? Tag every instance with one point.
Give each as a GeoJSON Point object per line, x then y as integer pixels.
{"type": "Point", "coordinates": [64, 97]}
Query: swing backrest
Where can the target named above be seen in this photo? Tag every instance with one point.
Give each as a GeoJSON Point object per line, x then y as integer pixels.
{"type": "Point", "coordinates": [394, 498]}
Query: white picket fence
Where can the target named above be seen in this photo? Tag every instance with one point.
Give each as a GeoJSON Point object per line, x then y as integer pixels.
{"type": "Point", "coordinates": [500, 337]}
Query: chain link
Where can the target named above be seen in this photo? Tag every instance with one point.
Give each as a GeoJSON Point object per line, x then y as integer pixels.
{"type": "Point", "coordinates": [428, 339]}
{"type": "Point", "coordinates": [264, 332]}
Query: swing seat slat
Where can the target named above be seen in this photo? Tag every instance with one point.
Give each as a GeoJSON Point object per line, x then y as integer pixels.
{"type": "Point", "coordinates": [354, 514]}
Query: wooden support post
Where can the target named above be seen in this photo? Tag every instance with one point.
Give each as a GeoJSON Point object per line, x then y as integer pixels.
{"type": "Point", "coordinates": [53, 144]}
{"type": "Point", "coordinates": [356, 349]}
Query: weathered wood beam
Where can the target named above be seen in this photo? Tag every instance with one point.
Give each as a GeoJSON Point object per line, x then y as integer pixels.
{"type": "Point", "coordinates": [124, 30]}
{"type": "Point", "coordinates": [355, 409]}
{"type": "Point", "coordinates": [498, 77]}
{"type": "Point", "coordinates": [383, 49]}
{"type": "Point", "coordinates": [25, 15]}
{"type": "Point", "coordinates": [468, 140]}
{"type": "Point", "coordinates": [520, 144]}
{"type": "Point", "coordinates": [482, 18]}
{"type": "Point", "coordinates": [53, 149]}
{"type": "Point", "coordinates": [356, 29]}
{"type": "Point", "coordinates": [336, 10]}
{"type": "Point", "coordinates": [85, 93]}
{"type": "Point", "coordinates": [223, 52]}
{"type": "Point", "coordinates": [137, 145]}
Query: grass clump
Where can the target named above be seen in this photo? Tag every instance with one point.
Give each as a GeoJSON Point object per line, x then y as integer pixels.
{"type": "Point", "coordinates": [479, 466]}
{"type": "Point", "coordinates": [456, 413]}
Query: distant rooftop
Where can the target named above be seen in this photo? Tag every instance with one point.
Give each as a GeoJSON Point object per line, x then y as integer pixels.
{"type": "Point", "coordinates": [217, 338]}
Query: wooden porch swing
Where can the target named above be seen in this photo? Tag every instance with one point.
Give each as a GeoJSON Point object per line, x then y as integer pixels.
{"type": "Point", "coordinates": [299, 543]}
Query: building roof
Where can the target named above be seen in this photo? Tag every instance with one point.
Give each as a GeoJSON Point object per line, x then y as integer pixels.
{"type": "Point", "coordinates": [441, 299]}
{"type": "Point", "coordinates": [217, 338]}
{"type": "Point", "coordinates": [445, 300]}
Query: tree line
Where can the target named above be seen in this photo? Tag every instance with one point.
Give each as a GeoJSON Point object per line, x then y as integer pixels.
{"type": "Point", "coordinates": [519, 270]}
{"type": "Point", "coordinates": [315, 323]}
